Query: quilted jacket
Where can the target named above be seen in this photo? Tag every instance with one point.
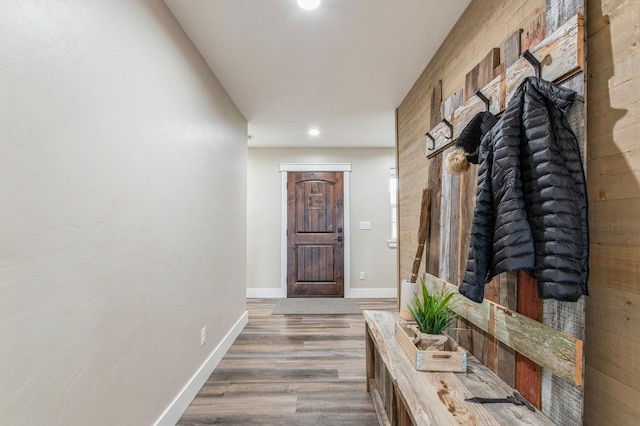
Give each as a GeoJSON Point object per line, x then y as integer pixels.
{"type": "Point", "coordinates": [531, 206]}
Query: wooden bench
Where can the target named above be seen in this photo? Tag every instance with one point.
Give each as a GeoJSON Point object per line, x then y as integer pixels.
{"type": "Point", "coordinates": [403, 396]}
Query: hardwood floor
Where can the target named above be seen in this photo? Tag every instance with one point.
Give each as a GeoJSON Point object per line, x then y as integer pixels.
{"type": "Point", "coordinates": [291, 370]}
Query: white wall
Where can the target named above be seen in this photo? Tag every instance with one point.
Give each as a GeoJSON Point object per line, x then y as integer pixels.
{"type": "Point", "coordinates": [369, 201]}
{"type": "Point", "coordinates": [122, 212]}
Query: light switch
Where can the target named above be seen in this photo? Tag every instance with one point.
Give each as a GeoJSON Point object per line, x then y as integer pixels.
{"type": "Point", "coordinates": [365, 225]}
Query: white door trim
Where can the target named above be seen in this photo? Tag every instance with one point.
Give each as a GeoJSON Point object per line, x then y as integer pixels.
{"type": "Point", "coordinates": [314, 167]}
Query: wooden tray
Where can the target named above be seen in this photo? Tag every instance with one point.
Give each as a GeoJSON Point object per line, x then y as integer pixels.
{"type": "Point", "coordinates": [453, 358]}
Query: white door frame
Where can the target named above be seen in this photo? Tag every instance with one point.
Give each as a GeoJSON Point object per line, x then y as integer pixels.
{"type": "Point", "coordinates": [314, 167]}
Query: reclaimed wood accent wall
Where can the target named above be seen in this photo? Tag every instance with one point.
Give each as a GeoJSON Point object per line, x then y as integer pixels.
{"type": "Point", "coordinates": [484, 25]}
{"type": "Point", "coordinates": [467, 60]}
{"type": "Point", "coordinates": [559, 352]}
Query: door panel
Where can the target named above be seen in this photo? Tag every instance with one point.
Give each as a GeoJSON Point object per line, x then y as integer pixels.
{"type": "Point", "coordinates": [315, 237]}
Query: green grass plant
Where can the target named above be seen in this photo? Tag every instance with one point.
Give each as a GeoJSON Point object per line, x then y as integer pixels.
{"type": "Point", "coordinates": [432, 312]}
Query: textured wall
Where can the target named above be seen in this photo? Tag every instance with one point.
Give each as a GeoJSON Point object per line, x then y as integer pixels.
{"type": "Point", "coordinates": [612, 376]}
{"type": "Point", "coordinates": [122, 220]}
{"type": "Point", "coordinates": [369, 189]}
{"type": "Point", "coordinates": [483, 26]}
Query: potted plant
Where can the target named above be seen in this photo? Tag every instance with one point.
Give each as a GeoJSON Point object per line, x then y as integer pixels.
{"type": "Point", "coordinates": [433, 314]}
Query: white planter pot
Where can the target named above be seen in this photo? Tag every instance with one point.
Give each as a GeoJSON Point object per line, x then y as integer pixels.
{"type": "Point", "coordinates": [408, 291]}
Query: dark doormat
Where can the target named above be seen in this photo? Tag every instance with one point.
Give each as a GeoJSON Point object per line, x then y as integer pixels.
{"type": "Point", "coordinates": [316, 306]}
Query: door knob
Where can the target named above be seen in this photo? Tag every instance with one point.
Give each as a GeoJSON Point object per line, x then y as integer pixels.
{"type": "Point", "coordinates": [338, 239]}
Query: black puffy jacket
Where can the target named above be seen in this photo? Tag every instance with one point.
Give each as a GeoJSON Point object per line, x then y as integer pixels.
{"type": "Point", "coordinates": [531, 206]}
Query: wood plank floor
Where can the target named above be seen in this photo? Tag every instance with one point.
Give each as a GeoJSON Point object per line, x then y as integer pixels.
{"type": "Point", "coordinates": [291, 370]}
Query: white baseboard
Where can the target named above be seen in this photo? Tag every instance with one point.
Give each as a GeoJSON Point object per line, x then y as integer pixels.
{"type": "Point", "coordinates": [354, 293]}
{"type": "Point", "coordinates": [180, 403]}
{"type": "Point", "coordinates": [265, 293]}
{"type": "Point", "coordinates": [373, 293]}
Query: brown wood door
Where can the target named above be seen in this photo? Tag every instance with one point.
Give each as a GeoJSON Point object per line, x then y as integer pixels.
{"type": "Point", "coordinates": [315, 234]}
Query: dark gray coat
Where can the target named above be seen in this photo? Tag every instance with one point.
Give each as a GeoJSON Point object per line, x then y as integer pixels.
{"type": "Point", "coordinates": [531, 206]}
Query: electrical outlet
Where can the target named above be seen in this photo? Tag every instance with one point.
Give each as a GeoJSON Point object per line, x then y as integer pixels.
{"type": "Point", "coordinates": [203, 336]}
{"type": "Point", "coordinates": [362, 275]}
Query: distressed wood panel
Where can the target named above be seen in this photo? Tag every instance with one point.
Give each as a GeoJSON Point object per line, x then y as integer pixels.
{"type": "Point", "coordinates": [468, 185]}
{"type": "Point", "coordinates": [512, 49]}
{"type": "Point", "coordinates": [528, 373]}
{"type": "Point", "coordinates": [534, 32]}
{"type": "Point", "coordinates": [562, 402]}
{"type": "Point", "coordinates": [446, 208]}
{"type": "Point", "coordinates": [409, 199]}
{"type": "Point", "coordinates": [500, 357]}
{"type": "Point", "coordinates": [561, 54]}
{"type": "Point", "coordinates": [449, 202]}
{"type": "Point", "coordinates": [423, 232]}
{"type": "Point", "coordinates": [441, 133]}
{"type": "Point", "coordinates": [434, 183]}
{"type": "Point", "coordinates": [506, 356]}
{"type": "Point", "coordinates": [492, 293]}
{"type": "Point", "coordinates": [442, 138]}
{"type": "Point", "coordinates": [436, 104]}
{"type": "Point", "coordinates": [481, 74]}
{"type": "Point", "coordinates": [469, 336]}
{"type": "Point", "coordinates": [449, 224]}
{"type": "Point", "coordinates": [474, 105]}
{"type": "Point", "coordinates": [560, 11]}
{"type": "Point", "coordinates": [548, 347]}
{"type": "Point", "coordinates": [451, 103]}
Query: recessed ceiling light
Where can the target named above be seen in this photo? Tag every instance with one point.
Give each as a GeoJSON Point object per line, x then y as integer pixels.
{"type": "Point", "coordinates": [309, 4]}
{"type": "Point", "coordinates": [314, 132]}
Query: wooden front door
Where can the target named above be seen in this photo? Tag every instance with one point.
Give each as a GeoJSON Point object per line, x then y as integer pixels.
{"type": "Point", "coordinates": [315, 234]}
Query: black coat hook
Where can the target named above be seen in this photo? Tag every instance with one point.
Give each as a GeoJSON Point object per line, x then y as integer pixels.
{"type": "Point", "coordinates": [537, 66]}
{"type": "Point", "coordinates": [433, 141]}
{"type": "Point", "coordinates": [484, 98]}
{"type": "Point", "coordinates": [450, 126]}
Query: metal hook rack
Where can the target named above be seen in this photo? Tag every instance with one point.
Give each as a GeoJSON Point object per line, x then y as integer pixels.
{"type": "Point", "coordinates": [535, 63]}
{"type": "Point", "coordinates": [433, 141]}
{"type": "Point", "coordinates": [537, 66]}
{"type": "Point", "coordinates": [450, 126]}
{"type": "Point", "coordinates": [484, 99]}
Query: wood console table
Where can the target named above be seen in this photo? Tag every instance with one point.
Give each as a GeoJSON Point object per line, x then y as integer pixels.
{"type": "Point", "coordinates": [404, 396]}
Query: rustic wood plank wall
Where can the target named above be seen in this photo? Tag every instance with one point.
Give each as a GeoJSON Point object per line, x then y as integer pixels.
{"type": "Point", "coordinates": [484, 26]}
{"type": "Point", "coordinates": [612, 376]}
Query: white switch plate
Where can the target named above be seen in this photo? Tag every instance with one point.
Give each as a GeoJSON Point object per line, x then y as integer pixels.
{"type": "Point", "coordinates": [203, 336]}
{"type": "Point", "coordinates": [365, 224]}
{"type": "Point", "coordinates": [362, 275]}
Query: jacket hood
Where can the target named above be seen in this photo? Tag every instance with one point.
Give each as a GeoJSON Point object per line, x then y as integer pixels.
{"type": "Point", "coordinates": [560, 97]}
{"type": "Point", "coordinates": [474, 131]}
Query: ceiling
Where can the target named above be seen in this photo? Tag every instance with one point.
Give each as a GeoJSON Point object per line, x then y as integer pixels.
{"type": "Point", "coordinates": [342, 68]}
